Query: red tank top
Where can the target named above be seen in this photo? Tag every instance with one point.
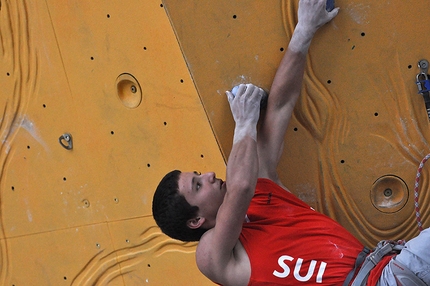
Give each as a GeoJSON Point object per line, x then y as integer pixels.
{"type": "Point", "coordinates": [288, 243]}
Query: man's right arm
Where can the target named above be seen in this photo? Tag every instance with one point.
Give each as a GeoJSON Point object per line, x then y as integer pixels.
{"type": "Point", "coordinates": [215, 253]}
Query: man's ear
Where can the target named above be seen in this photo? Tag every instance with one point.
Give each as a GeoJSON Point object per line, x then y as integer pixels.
{"type": "Point", "coordinates": [195, 223]}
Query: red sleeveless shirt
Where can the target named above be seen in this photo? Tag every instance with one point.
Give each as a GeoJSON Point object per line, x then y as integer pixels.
{"type": "Point", "coordinates": [288, 243]}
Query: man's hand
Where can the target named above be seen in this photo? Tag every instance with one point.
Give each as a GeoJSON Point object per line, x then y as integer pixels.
{"type": "Point", "coordinates": [245, 107]}
{"type": "Point", "coordinates": [312, 15]}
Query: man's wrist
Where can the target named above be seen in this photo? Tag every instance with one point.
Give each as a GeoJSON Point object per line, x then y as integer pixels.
{"type": "Point", "coordinates": [242, 131]}
{"type": "Point", "coordinates": [301, 39]}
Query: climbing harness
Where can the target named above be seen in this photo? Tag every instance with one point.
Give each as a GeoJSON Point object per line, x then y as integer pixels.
{"type": "Point", "coordinates": [384, 247]}
{"type": "Point", "coordinates": [360, 259]}
{"type": "Point", "coordinates": [402, 274]}
{"type": "Point", "coordinates": [423, 83]}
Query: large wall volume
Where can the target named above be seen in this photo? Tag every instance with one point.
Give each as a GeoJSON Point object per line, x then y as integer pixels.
{"type": "Point", "coordinates": [100, 99]}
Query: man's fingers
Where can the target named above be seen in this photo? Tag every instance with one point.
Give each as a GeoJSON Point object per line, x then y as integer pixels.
{"type": "Point", "coordinates": [241, 90]}
{"type": "Point", "coordinates": [245, 91]}
{"type": "Point", "coordinates": [250, 88]}
{"type": "Point", "coordinates": [230, 96]}
{"type": "Point", "coordinates": [256, 93]}
{"type": "Point", "coordinates": [333, 13]}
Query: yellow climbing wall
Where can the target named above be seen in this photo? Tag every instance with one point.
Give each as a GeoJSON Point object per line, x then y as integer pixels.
{"type": "Point", "coordinates": [113, 77]}
{"type": "Point", "coordinates": [100, 99]}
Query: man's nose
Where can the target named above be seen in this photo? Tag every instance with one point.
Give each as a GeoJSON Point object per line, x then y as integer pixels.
{"type": "Point", "coordinates": [210, 176]}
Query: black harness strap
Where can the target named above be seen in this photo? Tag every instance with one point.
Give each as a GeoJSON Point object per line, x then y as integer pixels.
{"type": "Point", "coordinates": [360, 259]}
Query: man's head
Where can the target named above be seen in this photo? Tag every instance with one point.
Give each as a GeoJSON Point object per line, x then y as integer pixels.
{"type": "Point", "coordinates": [185, 204]}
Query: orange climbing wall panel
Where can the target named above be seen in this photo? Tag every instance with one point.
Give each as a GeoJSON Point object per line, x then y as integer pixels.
{"type": "Point", "coordinates": [139, 86]}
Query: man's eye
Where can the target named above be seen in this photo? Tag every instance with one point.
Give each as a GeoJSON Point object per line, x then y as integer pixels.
{"type": "Point", "coordinates": [197, 186]}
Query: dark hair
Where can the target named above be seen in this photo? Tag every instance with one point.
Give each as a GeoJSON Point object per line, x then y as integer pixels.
{"type": "Point", "coordinates": [171, 210]}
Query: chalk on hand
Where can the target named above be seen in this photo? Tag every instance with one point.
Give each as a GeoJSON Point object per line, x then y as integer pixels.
{"type": "Point", "coordinates": [263, 102]}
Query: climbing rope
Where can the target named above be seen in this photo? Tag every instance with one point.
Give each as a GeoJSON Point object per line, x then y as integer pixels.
{"type": "Point", "coordinates": [417, 180]}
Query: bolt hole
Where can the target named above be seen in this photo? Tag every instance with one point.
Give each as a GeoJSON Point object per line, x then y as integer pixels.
{"type": "Point", "coordinates": [44, 105]}
{"type": "Point", "coordinates": [112, 132]}
{"type": "Point", "coordinates": [234, 16]}
{"type": "Point", "coordinates": [8, 74]}
{"type": "Point", "coordinates": [92, 58]}
{"type": "Point", "coordinates": [28, 147]}
{"type": "Point", "coordinates": [165, 123]}
{"type": "Point", "coordinates": [128, 241]}
{"type": "Point", "coordinates": [148, 165]}
{"type": "Point", "coordinates": [64, 179]}
{"type": "Point", "coordinates": [409, 66]}
{"type": "Point", "coordinates": [329, 81]}
{"type": "Point", "coordinates": [295, 129]}
{"type": "Point", "coordinates": [149, 265]}
{"type": "Point", "coordinates": [342, 161]}
{"type": "Point", "coordinates": [13, 188]}
{"type": "Point", "coordinates": [388, 192]}
{"type": "Point", "coordinates": [144, 48]}
{"type": "Point", "coordinates": [202, 156]}
{"type": "Point", "coordinates": [363, 34]}
{"type": "Point", "coordinates": [65, 278]}
{"type": "Point", "coordinates": [281, 49]}
{"type": "Point", "coordinates": [108, 15]}
{"type": "Point", "coordinates": [182, 81]}
{"type": "Point", "coordinates": [376, 114]}
{"type": "Point", "coordinates": [161, 5]}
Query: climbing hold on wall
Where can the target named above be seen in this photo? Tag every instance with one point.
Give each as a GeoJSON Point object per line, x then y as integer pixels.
{"type": "Point", "coordinates": [66, 141]}
{"type": "Point", "coordinates": [329, 5]}
{"type": "Point", "coordinates": [129, 91]}
{"type": "Point", "coordinates": [389, 194]}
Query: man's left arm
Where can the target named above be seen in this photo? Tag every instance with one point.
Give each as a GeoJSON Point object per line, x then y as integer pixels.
{"type": "Point", "coordinates": [287, 86]}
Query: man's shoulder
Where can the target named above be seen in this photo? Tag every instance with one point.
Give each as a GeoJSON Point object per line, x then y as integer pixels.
{"type": "Point", "coordinates": [204, 254]}
{"type": "Point", "coordinates": [232, 269]}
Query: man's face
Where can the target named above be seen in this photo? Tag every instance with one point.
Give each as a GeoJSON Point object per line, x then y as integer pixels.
{"type": "Point", "coordinates": [204, 191]}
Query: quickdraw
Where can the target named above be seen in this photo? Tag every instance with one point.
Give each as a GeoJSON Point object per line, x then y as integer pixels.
{"type": "Point", "coordinates": [423, 83]}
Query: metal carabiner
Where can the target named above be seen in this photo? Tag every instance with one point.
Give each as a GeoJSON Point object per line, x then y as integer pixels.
{"type": "Point", "coordinates": [423, 82]}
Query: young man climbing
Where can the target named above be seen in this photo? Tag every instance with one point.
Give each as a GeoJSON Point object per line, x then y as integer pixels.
{"type": "Point", "coordinates": [251, 229]}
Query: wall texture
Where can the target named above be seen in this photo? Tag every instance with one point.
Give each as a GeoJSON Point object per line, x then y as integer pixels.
{"type": "Point", "coordinates": [100, 99]}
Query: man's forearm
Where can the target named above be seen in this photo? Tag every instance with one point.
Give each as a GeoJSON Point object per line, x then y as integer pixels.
{"type": "Point", "coordinates": [288, 79]}
{"type": "Point", "coordinates": [242, 168]}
